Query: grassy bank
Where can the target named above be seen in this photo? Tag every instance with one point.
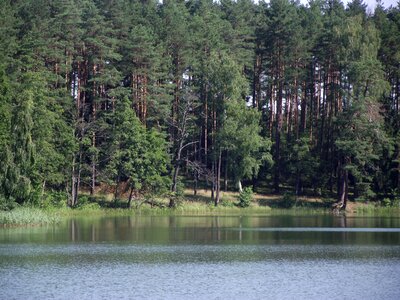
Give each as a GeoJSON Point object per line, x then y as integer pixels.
{"type": "Point", "coordinates": [199, 204]}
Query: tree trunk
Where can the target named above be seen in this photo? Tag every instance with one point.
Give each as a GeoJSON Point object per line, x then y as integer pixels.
{"type": "Point", "coordinates": [256, 80]}
{"type": "Point", "coordinates": [277, 161]}
{"type": "Point", "coordinates": [239, 185]}
{"type": "Point", "coordinates": [213, 180]}
{"type": "Point", "coordinates": [398, 166]}
{"type": "Point", "coordinates": [93, 181]}
{"type": "Point", "coordinates": [175, 177]}
{"type": "Point", "coordinates": [195, 182]}
{"type": "Point", "coordinates": [303, 112]}
{"type": "Point", "coordinates": [205, 125]}
{"type": "Point", "coordinates": [94, 112]}
{"type": "Point", "coordinates": [75, 178]}
{"type": "Point", "coordinates": [298, 183]}
{"type": "Point", "coordinates": [343, 190]}
{"type": "Point", "coordinates": [218, 178]}
{"type": "Point", "coordinates": [226, 173]}
{"type": "Point", "coordinates": [271, 109]}
{"type": "Point", "coordinates": [278, 125]}
{"type": "Point", "coordinates": [130, 197]}
{"type": "Point", "coordinates": [43, 188]}
{"type": "Point", "coordinates": [74, 195]}
{"type": "Point", "coordinates": [116, 189]}
{"type": "Point", "coordinates": [171, 202]}
{"type": "Point", "coordinates": [78, 180]}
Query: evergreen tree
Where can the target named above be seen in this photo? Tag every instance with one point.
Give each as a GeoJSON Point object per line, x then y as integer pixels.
{"type": "Point", "coordinates": [279, 43]}
{"type": "Point", "coordinates": [359, 132]}
{"type": "Point", "coordinates": [20, 154]}
{"type": "Point", "coordinates": [8, 34]}
{"type": "Point", "coordinates": [323, 77]}
{"type": "Point", "coordinates": [5, 141]}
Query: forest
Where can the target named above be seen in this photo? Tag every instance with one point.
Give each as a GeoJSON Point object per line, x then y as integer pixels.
{"type": "Point", "coordinates": [144, 97]}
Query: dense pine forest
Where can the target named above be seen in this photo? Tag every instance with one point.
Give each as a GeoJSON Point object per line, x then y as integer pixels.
{"type": "Point", "coordinates": [142, 97]}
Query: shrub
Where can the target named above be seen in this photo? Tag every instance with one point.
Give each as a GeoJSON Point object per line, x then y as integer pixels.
{"type": "Point", "coordinates": [7, 203]}
{"type": "Point", "coordinates": [386, 202]}
{"type": "Point", "coordinates": [54, 199]}
{"type": "Point", "coordinates": [245, 197]}
{"type": "Point", "coordinates": [288, 201]}
{"type": "Point", "coordinates": [396, 202]}
{"type": "Point", "coordinates": [226, 203]}
{"type": "Point", "coordinates": [86, 202]}
{"type": "Point", "coordinates": [82, 201]}
{"type": "Point", "coordinates": [89, 206]}
{"type": "Point", "coordinates": [178, 196]}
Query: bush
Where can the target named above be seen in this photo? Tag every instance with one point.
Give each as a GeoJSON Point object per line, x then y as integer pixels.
{"type": "Point", "coordinates": [89, 206]}
{"type": "Point", "coordinates": [178, 196]}
{"type": "Point", "coordinates": [54, 199]}
{"type": "Point", "coordinates": [226, 203]}
{"type": "Point", "coordinates": [396, 202]}
{"type": "Point", "coordinates": [7, 204]}
{"type": "Point", "coordinates": [86, 202]}
{"type": "Point", "coordinates": [386, 202]}
{"type": "Point", "coordinates": [245, 197]}
{"type": "Point", "coordinates": [288, 201]}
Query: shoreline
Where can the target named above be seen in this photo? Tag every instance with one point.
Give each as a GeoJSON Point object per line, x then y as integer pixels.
{"type": "Point", "coordinates": [33, 216]}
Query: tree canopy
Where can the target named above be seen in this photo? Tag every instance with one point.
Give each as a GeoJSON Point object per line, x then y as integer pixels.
{"type": "Point", "coordinates": [141, 96]}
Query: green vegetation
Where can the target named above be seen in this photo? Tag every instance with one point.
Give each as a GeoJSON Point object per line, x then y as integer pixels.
{"type": "Point", "coordinates": [27, 216]}
{"type": "Point", "coordinates": [132, 99]}
{"type": "Point", "coordinates": [244, 203]}
{"type": "Point", "coordinates": [245, 197]}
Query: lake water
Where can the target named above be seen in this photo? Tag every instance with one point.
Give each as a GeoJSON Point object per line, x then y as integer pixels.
{"type": "Point", "coordinates": [208, 257]}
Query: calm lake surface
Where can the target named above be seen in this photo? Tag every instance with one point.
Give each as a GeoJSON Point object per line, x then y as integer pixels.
{"type": "Point", "coordinates": [203, 257]}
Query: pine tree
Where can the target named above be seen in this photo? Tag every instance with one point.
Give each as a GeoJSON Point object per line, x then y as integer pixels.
{"type": "Point", "coordinates": [279, 43]}
{"type": "Point", "coordinates": [8, 34]}
{"type": "Point", "coordinates": [359, 131]}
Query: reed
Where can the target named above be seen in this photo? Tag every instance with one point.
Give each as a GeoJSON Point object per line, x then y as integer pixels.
{"type": "Point", "coordinates": [27, 216]}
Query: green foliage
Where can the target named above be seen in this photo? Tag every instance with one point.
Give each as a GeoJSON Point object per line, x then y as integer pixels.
{"type": "Point", "coordinates": [176, 197]}
{"type": "Point", "coordinates": [245, 197]}
{"type": "Point", "coordinates": [359, 144]}
{"type": "Point", "coordinates": [54, 199]}
{"type": "Point", "coordinates": [94, 91]}
{"type": "Point", "coordinates": [7, 203]}
{"type": "Point", "coordinates": [386, 202]}
{"type": "Point", "coordinates": [88, 206]}
{"type": "Point", "coordinates": [302, 164]}
{"type": "Point", "coordinates": [19, 154]}
{"type": "Point", "coordinates": [137, 155]}
{"type": "Point", "coordinates": [5, 110]}
{"type": "Point", "coordinates": [226, 203]}
{"type": "Point", "coordinates": [288, 200]}
{"type": "Point", "coordinates": [395, 203]}
{"type": "Point", "coordinates": [240, 136]}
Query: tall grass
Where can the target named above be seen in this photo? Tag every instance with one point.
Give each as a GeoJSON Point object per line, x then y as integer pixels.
{"type": "Point", "coordinates": [27, 216]}
{"type": "Point", "coordinates": [373, 210]}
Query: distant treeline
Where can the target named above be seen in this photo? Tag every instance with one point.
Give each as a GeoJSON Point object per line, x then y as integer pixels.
{"type": "Point", "coordinates": [300, 97]}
